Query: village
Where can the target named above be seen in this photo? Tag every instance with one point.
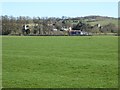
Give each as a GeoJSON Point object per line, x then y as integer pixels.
{"type": "Point", "coordinates": [79, 28]}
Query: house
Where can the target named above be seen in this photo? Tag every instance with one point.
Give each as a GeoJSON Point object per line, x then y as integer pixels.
{"type": "Point", "coordinates": [25, 29]}
{"type": "Point", "coordinates": [54, 29]}
{"type": "Point", "coordinates": [66, 28]}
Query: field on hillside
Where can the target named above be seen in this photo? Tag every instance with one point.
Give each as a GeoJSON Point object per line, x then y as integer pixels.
{"type": "Point", "coordinates": [60, 62]}
{"type": "Point", "coordinates": [105, 22]}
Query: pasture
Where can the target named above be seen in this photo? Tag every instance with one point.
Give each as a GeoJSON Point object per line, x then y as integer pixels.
{"type": "Point", "coordinates": [60, 62]}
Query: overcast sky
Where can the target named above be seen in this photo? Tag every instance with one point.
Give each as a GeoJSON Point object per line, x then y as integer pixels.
{"type": "Point", "coordinates": [59, 9]}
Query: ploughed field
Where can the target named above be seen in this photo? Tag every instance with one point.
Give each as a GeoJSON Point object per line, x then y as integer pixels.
{"type": "Point", "coordinates": [60, 61]}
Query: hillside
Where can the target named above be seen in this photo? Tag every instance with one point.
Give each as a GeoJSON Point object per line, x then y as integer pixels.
{"type": "Point", "coordinates": [92, 20]}
{"type": "Point", "coordinates": [102, 20]}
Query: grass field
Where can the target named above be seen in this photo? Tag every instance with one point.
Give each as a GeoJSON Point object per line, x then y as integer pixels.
{"type": "Point", "coordinates": [105, 22]}
{"type": "Point", "coordinates": [60, 62]}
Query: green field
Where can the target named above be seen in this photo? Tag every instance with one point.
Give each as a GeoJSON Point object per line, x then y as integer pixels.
{"type": "Point", "coordinates": [60, 62]}
{"type": "Point", "coordinates": [105, 22]}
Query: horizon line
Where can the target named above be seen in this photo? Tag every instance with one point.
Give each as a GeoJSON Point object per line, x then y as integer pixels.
{"type": "Point", "coordinates": [61, 16]}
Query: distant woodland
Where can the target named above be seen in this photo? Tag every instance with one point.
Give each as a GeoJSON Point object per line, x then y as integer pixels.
{"type": "Point", "coordinates": [89, 25]}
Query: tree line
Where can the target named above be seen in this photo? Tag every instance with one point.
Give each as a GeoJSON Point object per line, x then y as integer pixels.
{"type": "Point", "coordinates": [50, 26]}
